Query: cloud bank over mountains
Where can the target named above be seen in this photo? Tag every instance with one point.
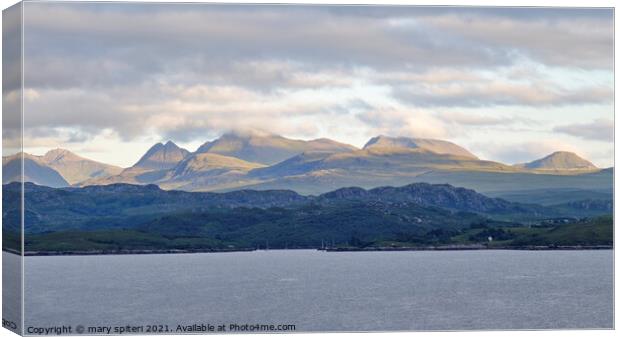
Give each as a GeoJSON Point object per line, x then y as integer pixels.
{"type": "Point", "coordinates": [108, 74]}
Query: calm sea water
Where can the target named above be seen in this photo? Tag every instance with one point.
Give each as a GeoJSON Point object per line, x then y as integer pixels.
{"type": "Point", "coordinates": [327, 291]}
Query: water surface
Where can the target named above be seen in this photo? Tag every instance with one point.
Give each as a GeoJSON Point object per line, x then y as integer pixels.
{"type": "Point", "coordinates": [344, 291]}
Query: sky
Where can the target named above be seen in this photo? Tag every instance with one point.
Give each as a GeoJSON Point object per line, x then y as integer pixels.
{"type": "Point", "coordinates": [108, 80]}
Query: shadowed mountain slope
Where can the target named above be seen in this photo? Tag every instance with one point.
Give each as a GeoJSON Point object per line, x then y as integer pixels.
{"type": "Point", "coordinates": [34, 171]}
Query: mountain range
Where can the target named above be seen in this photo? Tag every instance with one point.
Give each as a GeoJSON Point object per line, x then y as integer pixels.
{"type": "Point", "coordinates": [266, 161]}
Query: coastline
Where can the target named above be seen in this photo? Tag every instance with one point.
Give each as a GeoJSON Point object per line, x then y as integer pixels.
{"type": "Point", "coordinates": [126, 252]}
{"type": "Point", "coordinates": [329, 250]}
{"type": "Point", "coordinates": [454, 248]}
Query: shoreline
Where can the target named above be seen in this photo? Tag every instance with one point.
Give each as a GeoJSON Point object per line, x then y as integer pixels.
{"type": "Point", "coordinates": [126, 252]}
{"type": "Point", "coordinates": [328, 250]}
{"type": "Point", "coordinates": [464, 248]}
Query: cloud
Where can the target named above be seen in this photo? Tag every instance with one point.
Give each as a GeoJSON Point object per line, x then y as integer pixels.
{"type": "Point", "coordinates": [575, 41]}
{"type": "Point", "coordinates": [460, 118]}
{"type": "Point", "coordinates": [600, 129]}
{"type": "Point", "coordinates": [192, 71]}
{"type": "Point", "coordinates": [85, 44]}
{"type": "Point", "coordinates": [403, 122]}
{"type": "Point", "coordinates": [181, 112]}
{"type": "Point", "coordinates": [497, 93]}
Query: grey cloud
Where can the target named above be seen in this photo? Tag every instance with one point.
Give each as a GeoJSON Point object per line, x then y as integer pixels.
{"type": "Point", "coordinates": [600, 129]}
{"type": "Point", "coordinates": [110, 46]}
{"type": "Point", "coordinates": [566, 41]}
{"type": "Point", "coordinates": [106, 66]}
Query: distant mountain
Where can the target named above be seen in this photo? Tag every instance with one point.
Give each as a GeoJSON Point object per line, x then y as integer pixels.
{"type": "Point", "coordinates": [267, 148]}
{"type": "Point", "coordinates": [34, 171]}
{"type": "Point", "coordinates": [374, 166]}
{"type": "Point", "coordinates": [162, 157]}
{"type": "Point", "coordinates": [75, 169]}
{"type": "Point", "coordinates": [396, 161]}
{"type": "Point", "coordinates": [560, 160]}
{"type": "Point", "coordinates": [44, 170]}
{"type": "Point", "coordinates": [433, 145]}
{"type": "Point", "coordinates": [153, 166]}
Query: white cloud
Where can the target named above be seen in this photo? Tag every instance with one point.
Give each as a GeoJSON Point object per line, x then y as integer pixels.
{"type": "Point", "coordinates": [403, 122]}
{"type": "Point", "coordinates": [474, 119]}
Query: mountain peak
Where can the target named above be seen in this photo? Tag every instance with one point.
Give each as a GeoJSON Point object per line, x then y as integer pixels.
{"type": "Point", "coordinates": [433, 145]}
{"type": "Point", "coordinates": [560, 160]}
{"type": "Point", "coordinates": [57, 151]}
{"type": "Point", "coordinates": [171, 144]}
{"type": "Point", "coordinates": [267, 148]}
{"type": "Point", "coordinates": [59, 154]}
{"type": "Point", "coordinates": [162, 156]}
